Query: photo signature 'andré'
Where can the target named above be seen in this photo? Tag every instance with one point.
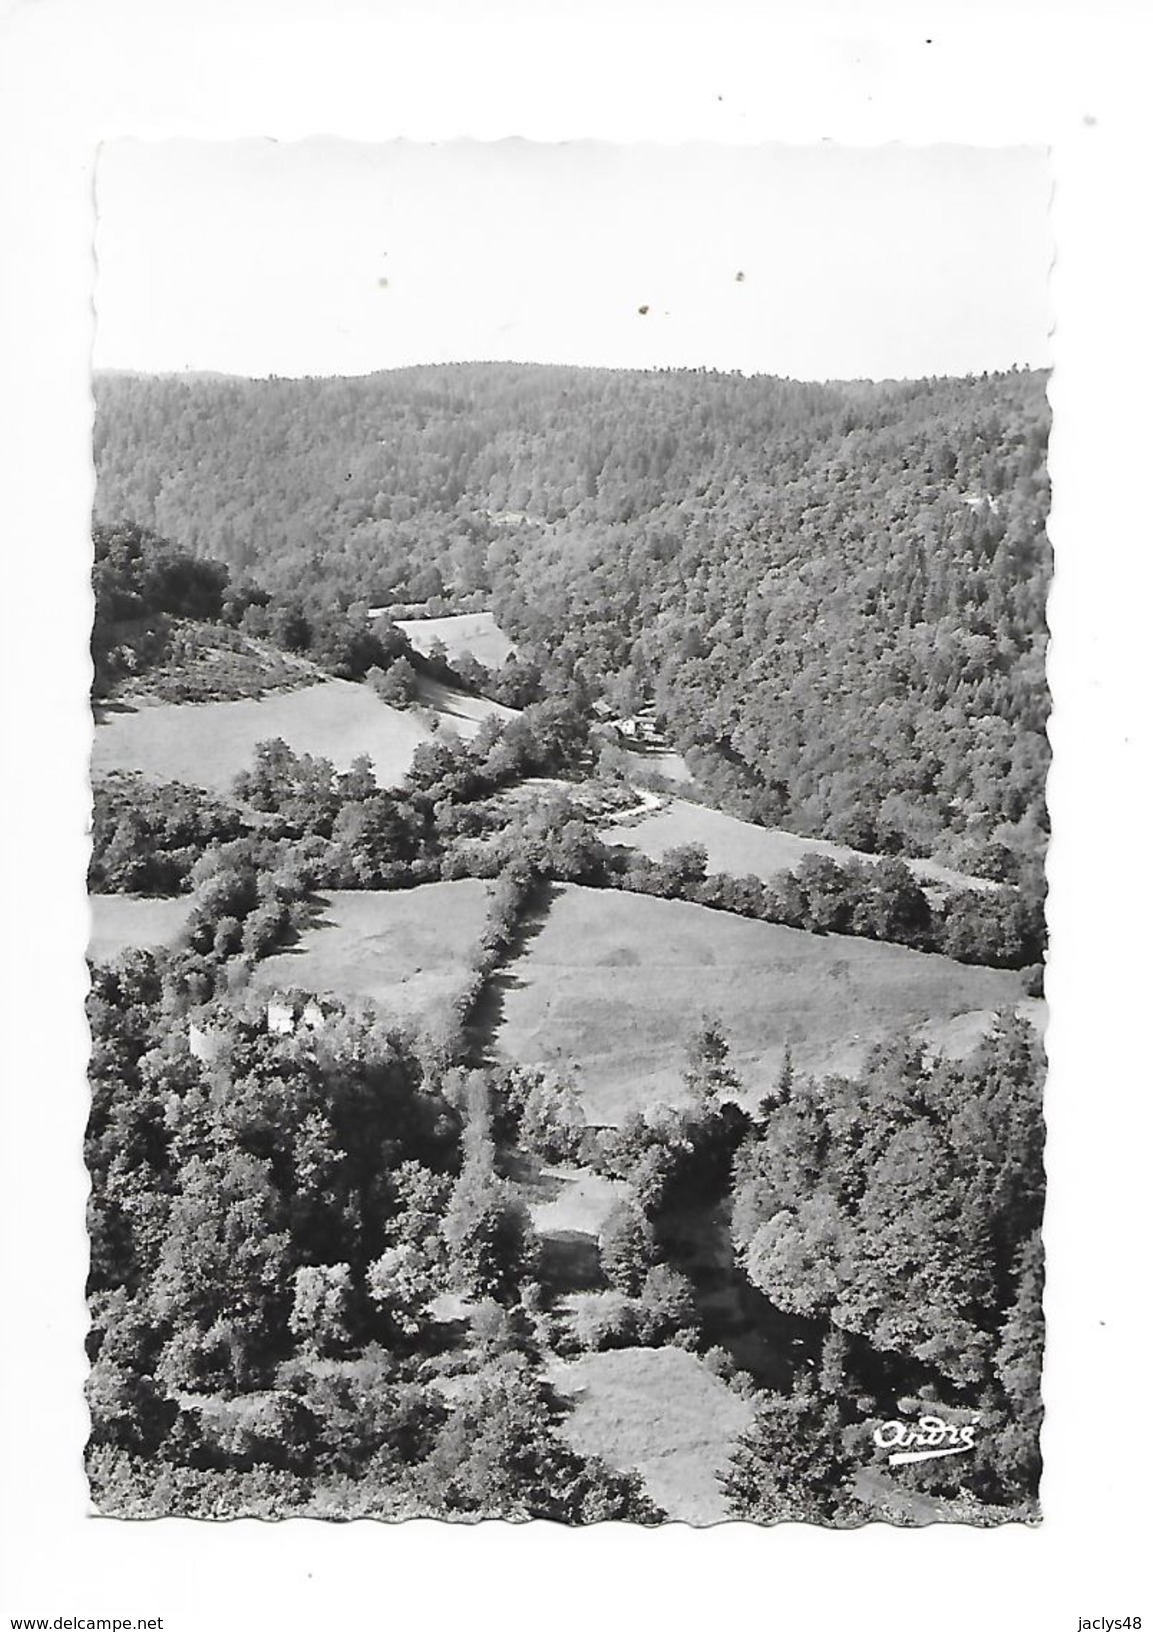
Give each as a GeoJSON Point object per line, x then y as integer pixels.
{"type": "Point", "coordinates": [922, 1441]}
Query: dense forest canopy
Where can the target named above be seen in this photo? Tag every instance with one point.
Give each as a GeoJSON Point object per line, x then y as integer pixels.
{"type": "Point", "coordinates": [834, 594]}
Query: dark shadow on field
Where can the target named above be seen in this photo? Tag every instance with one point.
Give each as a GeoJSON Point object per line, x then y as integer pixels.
{"type": "Point", "coordinates": [488, 1015]}
{"type": "Point", "coordinates": [762, 1339]}
{"type": "Point", "coordinates": [443, 1336]}
{"type": "Point", "coordinates": [449, 696]}
{"type": "Point", "coordinates": [311, 913]}
{"type": "Point", "coordinates": [443, 706]}
{"type": "Point", "coordinates": [448, 703]}
{"type": "Point", "coordinates": [570, 1261]}
{"type": "Point", "coordinates": [529, 1172]}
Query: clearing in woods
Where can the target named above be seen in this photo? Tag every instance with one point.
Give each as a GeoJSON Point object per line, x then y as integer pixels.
{"type": "Point", "coordinates": [568, 1207]}
{"type": "Point", "coordinates": [208, 744]}
{"type": "Point", "coordinates": [459, 713]}
{"type": "Point", "coordinates": [121, 923]}
{"type": "Point", "coordinates": [475, 632]}
{"type": "Point", "coordinates": [567, 1200]}
{"type": "Point", "coordinates": [407, 951]}
{"type": "Point", "coordinates": [742, 847]}
{"type": "Point", "coordinates": [656, 764]}
{"type": "Point", "coordinates": [660, 1413]}
{"type": "Point", "coordinates": [615, 984]}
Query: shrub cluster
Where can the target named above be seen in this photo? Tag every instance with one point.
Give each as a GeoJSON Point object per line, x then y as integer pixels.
{"type": "Point", "coordinates": [664, 1311]}
{"type": "Point", "coordinates": [540, 1113]}
{"type": "Point", "coordinates": [147, 837]}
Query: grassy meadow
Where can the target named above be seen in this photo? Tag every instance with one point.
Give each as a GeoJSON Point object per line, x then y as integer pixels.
{"type": "Point", "coordinates": [475, 632]}
{"type": "Point", "coordinates": [620, 982]}
{"type": "Point", "coordinates": [121, 923]}
{"type": "Point", "coordinates": [207, 744]}
{"type": "Point", "coordinates": [661, 764]}
{"type": "Point", "coordinates": [661, 1413]}
{"type": "Point", "coordinates": [742, 847]}
{"type": "Point", "coordinates": [406, 951]}
{"type": "Point", "coordinates": [571, 1200]}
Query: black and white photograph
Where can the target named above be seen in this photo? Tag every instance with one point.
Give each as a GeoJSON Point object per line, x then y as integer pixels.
{"type": "Point", "coordinates": [568, 835]}
{"type": "Point", "coordinates": [574, 712]}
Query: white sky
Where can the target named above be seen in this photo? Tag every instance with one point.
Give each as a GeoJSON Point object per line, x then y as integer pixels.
{"type": "Point", "coordinates": [329, 257]}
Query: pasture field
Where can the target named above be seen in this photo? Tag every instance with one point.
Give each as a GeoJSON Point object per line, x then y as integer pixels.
{"type": "Point", "coordinates": [656, 762]}
{"type": "Point", "coordinates": [407, 951]}
{"type": "Point", "coordinates": [475, 632]}
{"type": "Point", "coordinates": [619, 983]}
{"type": "Point", "coordinates": [123, 922]}
{"type": "Point", "coordinates": [207, 744]}
{"type": "Point", "coordinates": [660, 1413]}
{"type": "Point", "coordinates": [743, 847]}
{"type": "Point", "coordinates": [459, 714]}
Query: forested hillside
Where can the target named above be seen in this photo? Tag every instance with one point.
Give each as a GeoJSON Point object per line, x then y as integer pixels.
{"type": "Point", "coordinates": [833, 594]}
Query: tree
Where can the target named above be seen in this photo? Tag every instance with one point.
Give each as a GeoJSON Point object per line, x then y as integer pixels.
{"type": "Point", "coordinates": [289, 627]}
{"type": "Point", "coordinates": [668, 1308]}
{"type": "Point", "coordinates": [686, 864]}
{"type": "Point", "coordinates": [138, 575]}
{"type": "Point", "coordinates": [367, 1422]}
{"type": "Point", "coordinates": [796, 1259]}
{"type": "Point", "coordinates": [709, 1076]}
{"type": "Point", "coordinates": [499, 1455]}
{"type": "Point", "coordinates": [895, 908]}
{"type": "Point", "coordinates": [377, 841]}
{"type": "Point", "coordinates": [782, 1090]}
{"type": "Point", "coordinates": [792, 1463]}
{"type": "Point", "coordinates": [222, 1282]}
{"type": "Point", "coordinates": [420, 1195]}
{"type": "Point", "coordinates": [1011, 1443]}
{"type": "Point", "coordinates": [829, 894]}
{"type": "Point", "coordinates": [552, 1121]}
{"type": "Point", "coordinates": [128, 1407]}
{"type": "Point", "coordinates": [402, 1283]}
{"type": "Point", "coordinates": [264, 928]}
{"type": "Point", "coordinates": [488, 1235]}
{"type": "Point", "coordinates": [321, 1306]}
{"type": "Point", "coordinates": [628, 1248]}
{"type": "Point", "coordinates": [398, 685]}
{"type": "Point", "coordinates": [896, 1206]}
